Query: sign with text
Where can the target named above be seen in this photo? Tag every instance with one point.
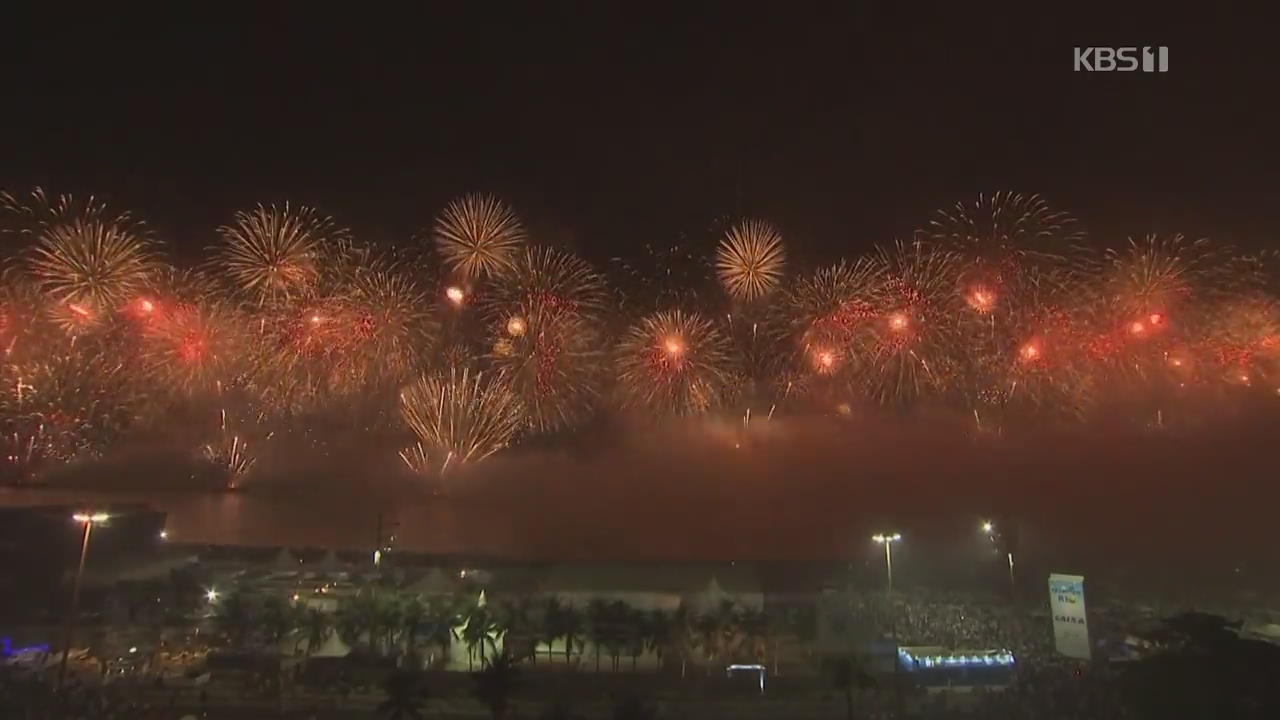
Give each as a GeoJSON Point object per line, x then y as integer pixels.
{"type": "Point", "coordinates": [1070, 624]}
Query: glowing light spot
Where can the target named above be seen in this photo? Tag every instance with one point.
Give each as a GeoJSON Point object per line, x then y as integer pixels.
{"type": "Point", "coordinates": [844, 409]}
{"type": "Point", "coordinates": [315, 319]}
{"type": "Point", "coordinates": [673, 346]}
{"type": "Point", "coordinates": [1137, 328]}
{"type": "Point", "coordinates": [981, 299]}
{"type": "Point", "coordinates": [1155, 319]}
{"type": "Point", "coordinates": [455, 294]}
{"type": "Point", "coordinates": [516, 326]}
{"type": "Point", "coordinates": [824, 361]}
{"type": "Point", "coordinates": [1030, 351]}
{"type": "Point", "coordinates": [898, 321]}
{"type": "Point", "coordinates": [146, 306]}
{"type": "Point", "coordinates": [79, 309]}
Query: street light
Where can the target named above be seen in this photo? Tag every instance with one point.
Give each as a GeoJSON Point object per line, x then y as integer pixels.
{"type": "Point", "coordinates": [887, 540]}
{"type": "Point", "coordinates": [990, 529]}
{"type": "Point", "coordinates": [88, 519]}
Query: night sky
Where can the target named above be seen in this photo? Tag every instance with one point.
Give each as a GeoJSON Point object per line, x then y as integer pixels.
{"type": "Point", "coordinates": [608, 128]}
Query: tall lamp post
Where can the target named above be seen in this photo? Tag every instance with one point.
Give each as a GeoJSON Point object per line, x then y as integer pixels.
{"type": "Point", "coordinates": [989, 528]}
{"type": "Point", "coordinates": [87, 520]}
{"type": "Point", "coordinates": [887, 540]}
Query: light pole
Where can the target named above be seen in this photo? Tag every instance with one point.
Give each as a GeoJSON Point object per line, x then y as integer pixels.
{"type": "Point", "coordinates": [88, 520]}
{"type": "Point", "coordinates": [990, 529]}
{"type": "Point", "coordinates": [887, 540]}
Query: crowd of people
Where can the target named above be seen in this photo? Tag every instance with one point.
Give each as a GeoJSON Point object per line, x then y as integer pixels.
{"type": "Point", "coordinates": [1045, 685]}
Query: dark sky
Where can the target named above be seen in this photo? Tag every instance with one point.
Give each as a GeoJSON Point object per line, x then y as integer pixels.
{"type": "Point", "coordinates": [609, 126]}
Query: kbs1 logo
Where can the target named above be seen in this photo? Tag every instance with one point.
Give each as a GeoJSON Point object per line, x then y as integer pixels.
{"type": "Point", "coordinates": [1122, 59]}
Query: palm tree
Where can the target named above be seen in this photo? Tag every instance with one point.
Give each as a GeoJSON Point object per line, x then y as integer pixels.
{"type": "Point", "coordinates": [413, 619]}
{"type": "Point", "coordinates": [318, 627]}
{"type": "Point", "coordinates": [406, 691]}
{"type": "Point", "coordinates": [552, 622]}
{"type": "Point", "coordinates": [234, 617]}
{"type": "Point", "coordinates": [480, 631]}
{"type": "Point", "coordinates": [495, 684]}
{"type": "Point", "coordinates": [356, 619]}
{"type": "Point", "coordinates": [635, 634]}
{"type": "Point", "coordinates": [682, 631]}
{"type": "Point", "coordinates": [597, 625]}
{"type": "Point", "coordinates": [658, 628]}
{"type": "Point", "coordinates": [388, 620]}
{"type": "Point", "coordinates": [279, 618]}
{"type": "Point", "coordinates": [618, 630]}
{"type": "Point", "coordinates": [573, 628]}
{"type": "Point", "coordinates": [515, 618]}
{"type": "Point", "coordinates": [756, 629]}
{"type": "Point", "coordinates": [440, 621]}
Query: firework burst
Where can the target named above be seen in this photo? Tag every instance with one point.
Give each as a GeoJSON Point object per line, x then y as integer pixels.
{"type": "Point", "coordinates": [1004, 224]}
{"type": "Point", "coordinates": [86, 260]}
{"type": "Point", "coordinates": [829, 309]}
{"type": "Point", "coordinates": [272, 253]}
{"type": "Point", "coordinates": [67, 402]}
{"type": "Point", "coordinates": [478, 235]}
{"type": "Point", "coordinates": [675, 363]}
{"type": "Point", "coordinates": [554, 363]}
{"type": "Point", "coordinates": [389, 324]}
{"type": "Point", "coordinates": [547, 282]}
{"type": "Point", "coordinates": [230, 455]}
{"type": "Point", "coordinates": [911, 347]}
{"type": "Point", "coordinates": [416, 459]}
{"type": "Point", "coordinates": [662, 276]}
{"type": "Point", "coordinates": [1241, 346]}
{"type": "Point", "coordinates": [750, 259]}
{"type": "Point", "coordinates": [460, 416]}
{"type": "Point", "coordinates": [194, 348]}
{"type": "Point", "coordinates": [1148, 298]}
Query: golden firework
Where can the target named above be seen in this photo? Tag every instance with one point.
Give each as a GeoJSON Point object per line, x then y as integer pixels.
{"type": "Point", "coordinates": [750, 259]}
{"type": "Point", "coordinates": [477, 235]}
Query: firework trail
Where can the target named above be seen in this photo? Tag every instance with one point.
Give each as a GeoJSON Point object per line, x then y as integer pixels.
{"type": "Point", "coordinates": [229, 454]}
{"type": "Point", "coordinates": [750, 259]}
{"type": "Point", "coordinates": [661, 277]}
{"type": "Point", "coordinates": [675, 363]}
{"type": "Point", "coordinates": [478, 235]}
{"type": "Point", "coordinates": [416, 459]}
{"type": "Point", "coordinates": [461, 416]}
